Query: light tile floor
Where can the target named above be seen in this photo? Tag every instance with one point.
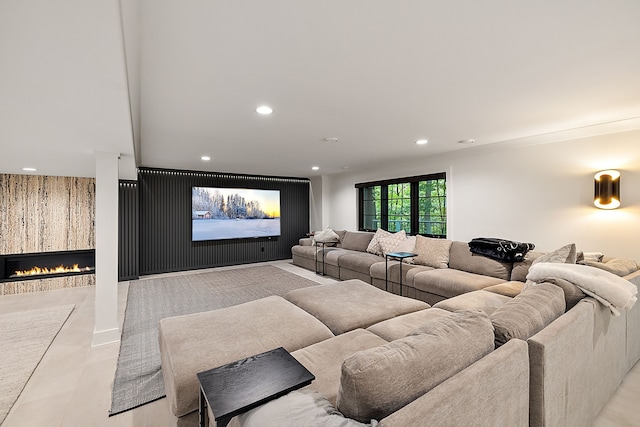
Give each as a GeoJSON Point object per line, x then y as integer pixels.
{"type": "Point", "coordinates": [71, 386]}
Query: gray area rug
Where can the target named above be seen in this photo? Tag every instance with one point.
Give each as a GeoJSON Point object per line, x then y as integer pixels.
{"type": "Point", "coordinates": [138, 378]}
{"type": "Point", "coordinates": [24, 338]}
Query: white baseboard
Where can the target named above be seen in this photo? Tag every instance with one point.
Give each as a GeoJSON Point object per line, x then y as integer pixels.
{"type": "Point", "coordinates": [108, 336]}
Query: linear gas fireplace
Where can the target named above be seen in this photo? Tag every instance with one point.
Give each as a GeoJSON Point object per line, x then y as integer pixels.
{"type": "Point", "coordinates": [44, 265]}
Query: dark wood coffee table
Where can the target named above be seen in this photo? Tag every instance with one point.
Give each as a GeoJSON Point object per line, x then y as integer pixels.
{"type": "Point", "coordinates": [240, 386]}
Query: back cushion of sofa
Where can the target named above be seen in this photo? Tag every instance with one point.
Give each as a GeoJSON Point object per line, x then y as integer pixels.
{"type": "Point", "coordinates": [461, 258]}
{"type": "Point", "coordinates": [377, 382]}
{"type": "Point", "coordinates": [528, 313]}
{"type": "Point", "coordinates": [340, 234]}
{"type": "Point", "coordinates": [521, 268]}
{"type": "Point", "coordinates": [356, 240]}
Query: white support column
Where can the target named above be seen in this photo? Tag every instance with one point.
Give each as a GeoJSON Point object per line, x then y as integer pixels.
{"type": "Point", "coordinates": [106, 328]}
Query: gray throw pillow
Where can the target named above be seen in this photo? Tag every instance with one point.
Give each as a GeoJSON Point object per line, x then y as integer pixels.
{"type": "Point", "coordinates": [356, 240]}
{"type": "Point", "coordinates": [618, 266]}
{"type": "Point", "coordinates": [376, 382]}
{"type": "Point", "coordinates": [566, 254]}
{"type": "Point", "coordinates": [528, 313]}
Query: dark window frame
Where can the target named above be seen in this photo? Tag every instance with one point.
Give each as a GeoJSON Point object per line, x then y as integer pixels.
{"type": "Point", "coordinates": [414, 182]}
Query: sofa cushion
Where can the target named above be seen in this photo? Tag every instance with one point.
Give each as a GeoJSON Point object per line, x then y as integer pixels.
{"type": "Point", "coordinates": [481, 300]}
{"type": "Point", "coordinates": [297, 408]}
{"type": "Point", "coordinates": [448, 282]}
{"type": "Point", "coordinates": [493, 392]}
{"type": "Point", "coordinates": [374, 245]}
{"type": "Point", "coordinates": [340, 234]}
{"type": "Point", "coordinates": [332, 255]}
{"type": "Point", "coordinates": [572, 293]}
{"type": "Point", "coordinates": [401, 326]}
{"type": "Point", "coordinates": [304, 251]}
{"type": "Point", "coordinates": [566, 254]}
{"type": "Point", "coordinates": [377, 382]}
{"type": "Point", "coordinates": [581, 257]}
{"type": "Point", "coordinates": [509, 289]}
{"type": "Point", "coordinates": [521, 268]}
{"type": "Point", "coordinates": [351, 304]}
{"type": "Point", "coordinates": [528, 313]}
{"type": "Point", "coordinates": [358, 261]}
{"type": "Point", "coordinates": [356, 240]}
{"type": "Point", "coordinates": [461, 258]}
{"type": "Point", "coordinates": [324, 359]}
{"type": "Point", "coordinates": [412, 272]}
{"type": "Point", "coordinates": [618, 266]}
{"type": "Point", "coordinates": [432, 252]}
{"type": "Point", "coordinates": [196, 342]}
{"type": "Point", "coordinates": [388, 243]}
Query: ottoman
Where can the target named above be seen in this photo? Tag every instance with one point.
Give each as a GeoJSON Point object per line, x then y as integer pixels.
{"type": "Point", "coordinates": [345, 306]}
{"type": "Point", "coordinates": [196, 342]}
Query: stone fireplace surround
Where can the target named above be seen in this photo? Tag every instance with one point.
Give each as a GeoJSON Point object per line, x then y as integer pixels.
{"type": "Point", "coordinates": [44, 214]}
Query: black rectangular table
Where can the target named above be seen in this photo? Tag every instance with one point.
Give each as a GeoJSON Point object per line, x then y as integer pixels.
{"type": "Point", "coordinates": [240, 386]}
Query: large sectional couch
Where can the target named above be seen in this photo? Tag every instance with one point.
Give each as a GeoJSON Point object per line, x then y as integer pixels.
{"type": "Point", "coordinates": [348, 259]}
{"type": "Point", "coordinates": [487, 353]}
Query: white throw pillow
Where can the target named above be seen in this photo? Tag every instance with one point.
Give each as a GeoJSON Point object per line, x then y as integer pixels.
{"type": "Point", "coordinates": [326, 236]}
{"type": "Point", "coordinates": [374, 244]}
{"type": "Point", "coordinates": [408, 245]}
{"type": "Point", "coordinates": [432, 252]}
{"type": "Point", "coordinates": [389, 243]}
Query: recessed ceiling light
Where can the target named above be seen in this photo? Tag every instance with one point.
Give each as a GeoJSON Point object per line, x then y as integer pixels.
{"type": "Point", "coordinates": [29, 169]}
{"type": "Point", "coordinates": [466, 141]}
{"type": "Point", "coordinates": [331, 139]}
{"type": "Point", "coordinates": [205, 158]}
{"type": "Point", "coordinates": [421, 141]}
{"type": "Point", "coordinates": [315, 168]}
{"type": "Point", "coordinates": [264, 109]}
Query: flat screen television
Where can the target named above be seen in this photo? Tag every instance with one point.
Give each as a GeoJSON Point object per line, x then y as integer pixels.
{"type": "Point", "coordinates": [234, 213]}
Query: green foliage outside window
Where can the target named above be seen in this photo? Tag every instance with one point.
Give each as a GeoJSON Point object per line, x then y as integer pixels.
{"type": "Point", "coordinates": [399, 206]}
{"type": "Point", "coordinates": [372, 205]}
{"type": "Point", "coordinates": [432, 210]}
{"type": "Point", "coordinates": [415, 205]}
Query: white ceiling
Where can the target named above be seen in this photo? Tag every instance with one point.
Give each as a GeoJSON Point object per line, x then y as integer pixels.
{"type": "Point", "coordinates": [375, 74]}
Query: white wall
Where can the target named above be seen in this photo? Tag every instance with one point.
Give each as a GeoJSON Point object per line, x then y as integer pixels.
{"type": "Point", "coordinates": [538, 193]}
{"type": "Point", "coordinates": [315, 204]}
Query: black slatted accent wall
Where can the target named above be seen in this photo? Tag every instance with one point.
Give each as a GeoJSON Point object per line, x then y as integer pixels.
{"type": "Point", "coordinates": [128, 231]}
{"type": "Point", "coordinates": [165, 221]}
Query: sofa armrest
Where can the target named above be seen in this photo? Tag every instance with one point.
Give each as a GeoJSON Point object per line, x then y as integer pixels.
{"type": "Point", "coordinates": [306, 241]}
{"type": "Point", "coordinates": [494, 391]}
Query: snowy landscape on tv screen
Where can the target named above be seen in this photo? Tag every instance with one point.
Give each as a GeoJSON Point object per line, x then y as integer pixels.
{"type": "Point", "coordinates": [234, 213]}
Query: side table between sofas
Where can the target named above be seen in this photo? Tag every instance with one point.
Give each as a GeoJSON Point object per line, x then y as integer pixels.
{"type": "Point", "coordinates": [399, 256]}
{"type": "Point", "coordinates": [317, 244]}
{"type": "Point", "coordinates": [240, 386]}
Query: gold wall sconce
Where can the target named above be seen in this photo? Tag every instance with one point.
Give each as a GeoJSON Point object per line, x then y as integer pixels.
{"type": "Point", "coordinates": [607, 189]}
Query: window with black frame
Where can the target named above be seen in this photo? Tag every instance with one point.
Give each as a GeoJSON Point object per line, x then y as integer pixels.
{"type": "Point", "coordinates": [417, 205]}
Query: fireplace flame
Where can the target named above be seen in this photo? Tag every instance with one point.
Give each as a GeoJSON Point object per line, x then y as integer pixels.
{"type": "Point", "coordinates": [55, 270]}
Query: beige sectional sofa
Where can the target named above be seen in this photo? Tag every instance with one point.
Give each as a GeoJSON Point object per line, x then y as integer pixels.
{"type": "Point", "coordinates": [338, 331]}
{"type": "Point", "coordinates": [556, 361]}
{"type": "Point", "coordinates": [466, 272]}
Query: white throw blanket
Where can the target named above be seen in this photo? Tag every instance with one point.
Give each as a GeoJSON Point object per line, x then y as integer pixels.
{"type": "Point", "coordinates": [610, 290]}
